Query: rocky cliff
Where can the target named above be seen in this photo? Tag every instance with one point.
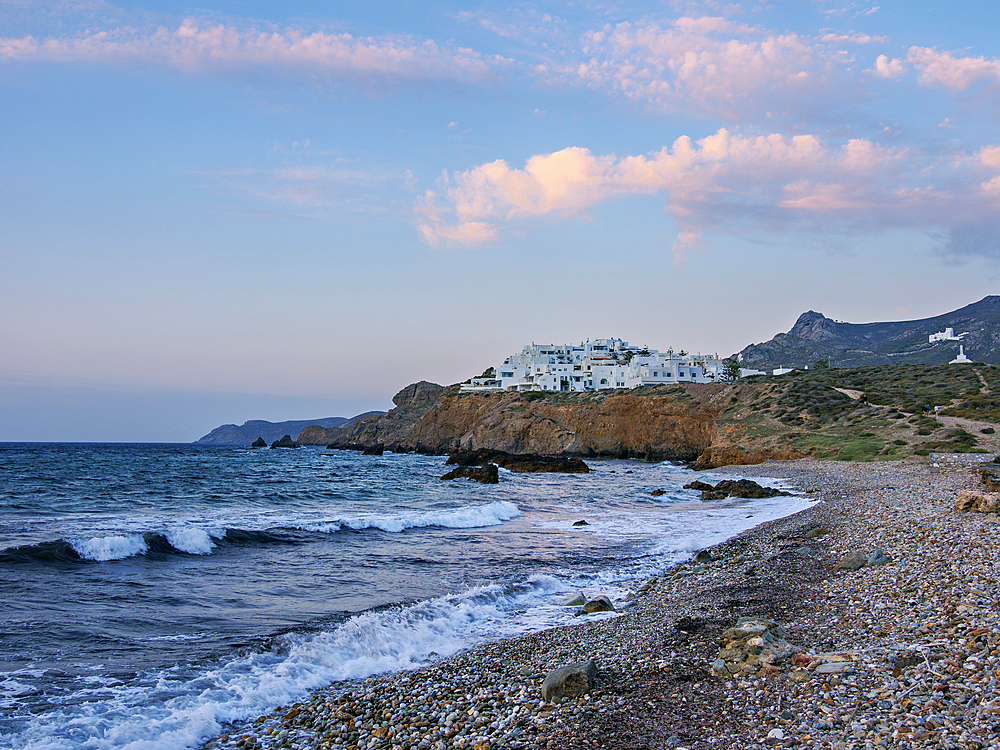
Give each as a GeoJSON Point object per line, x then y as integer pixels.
{"type": "Point", "coordinates": [673, 422]}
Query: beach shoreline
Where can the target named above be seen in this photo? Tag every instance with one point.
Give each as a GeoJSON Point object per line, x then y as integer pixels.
{"type": "Point", "coordinates": [656, 687]}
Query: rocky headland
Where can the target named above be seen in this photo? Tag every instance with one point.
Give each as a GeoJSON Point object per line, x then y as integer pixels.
{"type": "Point", "coordinates": [846, 414]}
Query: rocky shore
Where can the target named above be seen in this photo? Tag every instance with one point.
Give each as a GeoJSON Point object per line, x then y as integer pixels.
{"type": "Point", "coordinates": [903, 652]}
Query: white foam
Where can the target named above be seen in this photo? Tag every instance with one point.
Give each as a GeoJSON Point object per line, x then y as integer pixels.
{"type": "Point", "coordinates": [491, 514]}
{"type": "Point", "coordinates": [104, 548]}
{"type": "Point", "coordinates": [190, 540]}
{"type": "Point", "coordinates": [171, 712]}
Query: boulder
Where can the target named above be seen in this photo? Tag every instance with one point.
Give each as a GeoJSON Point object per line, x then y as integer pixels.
{"type": "Point", "coordinates": [878, 557]}
{"type": "Point", "coordinates": [570, 681]}
{"type": "Point", "coordinates": [658, 493]}
{"type": "Point", "coordinates": [598, 604]}
{"type": "Point", "coordinates": [581, 522]}
{"type": "Point", "coordinates": [576, 600]}
{"type": "Point", "coordinates": [259, 443]}
{"type": "Point", "coordinates": [703, 556]}
{"type": "Point", "coordinates": [522, 463]}
{"type": "Point", "coordinates": [742, 488]}
{"type": "Point", "coordinates": [699, 485]}
{"type": "Point", "coordinates": [486, 474]}
{"type": "Point", "coordinates": [285, 442]}
{"type": "Point", "coordinates": [853, 561]}
{"type": "Point", "coordinates": [375, 450]}
{"type": "Point", "coordinates": [980, 502]}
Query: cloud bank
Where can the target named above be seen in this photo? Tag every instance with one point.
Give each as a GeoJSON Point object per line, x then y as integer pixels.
{"type": "Point", "coordinates": [725, 182]}
{"type": "Point", "coordinates": [200, 47]}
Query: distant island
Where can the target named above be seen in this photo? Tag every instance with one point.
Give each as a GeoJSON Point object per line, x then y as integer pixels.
{"type": "Point", "coordinates": [246, 433]}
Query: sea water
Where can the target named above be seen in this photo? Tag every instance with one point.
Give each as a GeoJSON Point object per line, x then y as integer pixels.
{"type": "Point", "coordinates": [153, 593]}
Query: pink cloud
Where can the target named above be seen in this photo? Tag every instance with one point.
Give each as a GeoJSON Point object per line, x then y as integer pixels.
{"type": "Point", "coordinates": [196, 46]}
{"type": "Point", "coordinates": [886, 68]}
{"type": "Point", "coordinates": [707, 65]}
{"type": "Point", "coordinates": [941, 69]}
{"type": "Point", "coordinates": [721, 182]}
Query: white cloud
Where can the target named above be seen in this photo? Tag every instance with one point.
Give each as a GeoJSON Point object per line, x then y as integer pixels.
{"type": "Point", "coordinates": [721, 182]}
{"type": "Point", "coordinates": [957, 73]}
{"type": "Point", "coordinates": [704, 65]}
{"type": "Point", "coordinates": [197, 46]}
{"type": "Point", "coordinates": [886, 68]}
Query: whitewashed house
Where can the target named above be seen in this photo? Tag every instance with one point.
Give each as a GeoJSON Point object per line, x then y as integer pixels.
{"type": "Point", "coordinates": [595, 365]}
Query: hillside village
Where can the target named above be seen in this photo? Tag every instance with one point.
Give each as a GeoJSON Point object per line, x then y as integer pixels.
{"type": "Point", "coordinates": [605, 364]}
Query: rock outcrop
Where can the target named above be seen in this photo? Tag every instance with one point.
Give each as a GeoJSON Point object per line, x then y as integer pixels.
{"type": "Point", "coordinates": [485, 474]}
{"type": "Point", "coordinates": [285, 442]}
{"type": "Point", "coordinates": [528, 463]}
{"type": "Point", "coordinates": [743, 488]}
{"type": "Point", "coordinates": [259, 443]}
{"type": "Point", "coordinates": [656, 425]}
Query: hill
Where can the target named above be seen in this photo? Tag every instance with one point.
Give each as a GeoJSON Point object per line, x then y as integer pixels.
{"type": "Point", "coordinates": [246, 433]}
{"type": "Point", "coordinates": [859, 414]}
{"type": "Point", "coordinates": [815, 337]}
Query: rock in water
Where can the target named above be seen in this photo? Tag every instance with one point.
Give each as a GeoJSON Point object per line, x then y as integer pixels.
{"type": "Point", "coordinates": [699, 485]}
{"type": "Point", "coordinates": [570, 681]}
{"type": "Point", "coordinates": [486, 474]}
{"type": "Point", "coordinates": [375, 450]}
{"type": "Point", "coordinates": [576, 600]}
{"type": "Point", "coordinates": [285, 442]}
{"type": "Point", "coordinates": [259, 443]}
{"type": "Point", "coordinates": [519, 463]}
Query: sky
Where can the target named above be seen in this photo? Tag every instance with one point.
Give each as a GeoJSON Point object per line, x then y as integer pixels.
{"type": "Point", "coordinates": [251, 210]}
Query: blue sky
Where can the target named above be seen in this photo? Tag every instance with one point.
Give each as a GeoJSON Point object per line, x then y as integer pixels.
{"type": "Point", "coordinates": [213, 214]}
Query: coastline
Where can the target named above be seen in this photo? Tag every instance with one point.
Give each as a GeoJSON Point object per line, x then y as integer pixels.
{"type": "Point", "coordinates": [911, 628]}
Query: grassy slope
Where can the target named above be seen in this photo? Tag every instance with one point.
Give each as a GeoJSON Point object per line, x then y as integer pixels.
{"type": "Point", "coordinates": [802, 411]}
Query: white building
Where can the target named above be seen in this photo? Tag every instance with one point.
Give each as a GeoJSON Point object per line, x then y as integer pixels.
{"type": "Point", "coordinates": [595, 365]}
{"type": "Point", "coordinates": [961, 359]}
{"type": "Point", "coordinates": [948, 334]}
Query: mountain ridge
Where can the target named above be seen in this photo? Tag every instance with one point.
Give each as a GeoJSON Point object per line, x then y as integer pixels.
{"type": "Point", "coordinates": [816, 337]}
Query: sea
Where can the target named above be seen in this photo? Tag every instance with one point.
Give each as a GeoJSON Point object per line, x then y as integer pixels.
{"type": "Point", "coordinates": [152, 595]}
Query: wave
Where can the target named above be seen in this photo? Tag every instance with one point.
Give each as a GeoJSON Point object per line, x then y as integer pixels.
{"type": "Point", "coordinates": [167, 713]}
{"type": "Point", "coordinates": [491, 514]}
{"type": "Point", "coordinates": [191, 540]}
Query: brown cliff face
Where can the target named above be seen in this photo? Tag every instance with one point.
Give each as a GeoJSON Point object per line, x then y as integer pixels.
{"type": "Point", "coordinates": [656, 425]}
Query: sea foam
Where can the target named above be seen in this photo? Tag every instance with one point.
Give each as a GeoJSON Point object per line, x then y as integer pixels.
{"type": "Point", "coordinates": [115, 547]}
{"type": "Point", "coordinates": [491, 514]}
{"type": "Point", "coordinates": [177, 711]}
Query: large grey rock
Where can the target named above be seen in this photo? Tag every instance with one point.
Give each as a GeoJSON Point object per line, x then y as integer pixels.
{"type": "Point", "coordinates": [598, 604]}
{"type": "Point", "coordinates": [570, 681]}
{"type": "Point", "coordinates": [854, 561]}
{"type": "Point", "coordinates": [878, 557]}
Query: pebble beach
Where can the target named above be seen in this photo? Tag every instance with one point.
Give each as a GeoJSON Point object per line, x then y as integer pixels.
{"type": "Point", "coordinates": [903, 652]}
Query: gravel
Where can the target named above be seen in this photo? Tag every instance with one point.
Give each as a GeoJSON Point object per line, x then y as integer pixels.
{"type": "Point", "coordinates": [901, 653]}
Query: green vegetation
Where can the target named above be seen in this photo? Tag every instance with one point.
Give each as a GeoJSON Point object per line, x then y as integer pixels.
{"type": "Point", "coordinates": [805, 411]}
